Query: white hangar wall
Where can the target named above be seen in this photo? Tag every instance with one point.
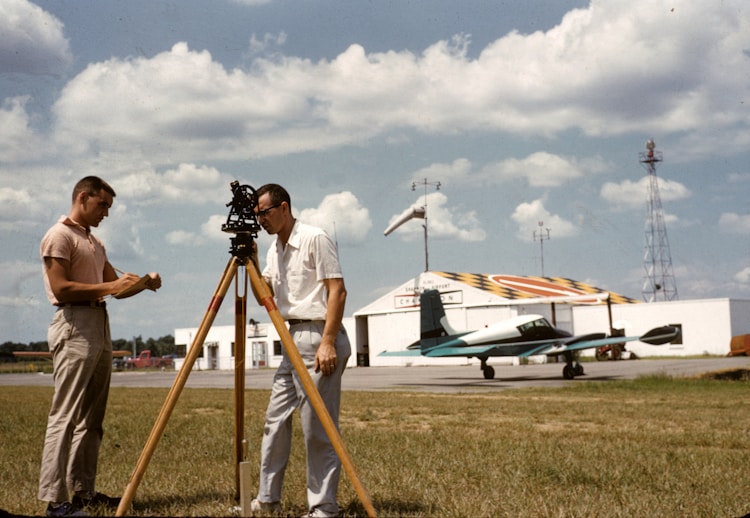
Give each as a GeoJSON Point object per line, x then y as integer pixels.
{"type": "Point", "coordinates": [392, 322]}
{"type": "Point", "coordinates": [708, 325]}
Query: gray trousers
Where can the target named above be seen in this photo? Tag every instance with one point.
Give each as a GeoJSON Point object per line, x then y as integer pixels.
{"type": "Point", "coordinates": [287, 394]}
{"type": "Point", "coordinates": [81, 349]}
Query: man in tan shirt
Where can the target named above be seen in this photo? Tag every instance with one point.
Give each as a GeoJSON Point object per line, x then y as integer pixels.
{"type": "Point", "coordinates": [77, 276]}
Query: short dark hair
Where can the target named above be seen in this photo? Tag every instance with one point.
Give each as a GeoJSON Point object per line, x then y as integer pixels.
{"type": "Point", "coordinates": [276, 192]}
{"type": "Point", "coordinates": [92, 185]}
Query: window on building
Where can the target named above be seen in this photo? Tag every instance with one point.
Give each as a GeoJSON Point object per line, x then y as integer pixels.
{"type": "Point", "coordinates": [277, 347]}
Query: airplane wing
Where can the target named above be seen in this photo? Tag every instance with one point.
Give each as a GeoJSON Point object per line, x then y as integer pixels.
{"type": "Point", "coordinates": [551, 347]}
{"type": "Point", "coordinates": [405, 352]}
{"type": "Point", "coordinates": [505, 349]}
{"type": "Point", "coordinates": [656, 336]}
{"type": "Point", "coordinates": [459, 348]}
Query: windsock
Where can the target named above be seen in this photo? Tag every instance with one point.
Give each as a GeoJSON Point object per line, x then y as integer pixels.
{"type": "Point", "coordinates": [410, 213]}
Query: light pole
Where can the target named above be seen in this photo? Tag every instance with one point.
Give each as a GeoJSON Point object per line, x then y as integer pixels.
{"type": "Point", "coordinates": [541, 240]}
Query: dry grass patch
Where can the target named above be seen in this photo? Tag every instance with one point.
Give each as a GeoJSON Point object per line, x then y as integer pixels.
{"type": "Point", "coordinates": [650, 447]}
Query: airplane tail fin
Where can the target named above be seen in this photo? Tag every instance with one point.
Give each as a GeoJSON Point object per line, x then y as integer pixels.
{"type": "Point", "coordinates": [434, 327]}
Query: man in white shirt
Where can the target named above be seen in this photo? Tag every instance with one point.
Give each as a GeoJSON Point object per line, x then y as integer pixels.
{"type": "Point", "coordinates": [303, 272]}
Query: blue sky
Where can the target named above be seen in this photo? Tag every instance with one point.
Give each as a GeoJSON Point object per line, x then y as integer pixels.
{"type": "Point", "coordinates": [524, 111]}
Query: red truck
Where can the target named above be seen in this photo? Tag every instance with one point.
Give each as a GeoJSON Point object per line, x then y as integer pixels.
{"type": "Point", "coordinates": [146, 360]}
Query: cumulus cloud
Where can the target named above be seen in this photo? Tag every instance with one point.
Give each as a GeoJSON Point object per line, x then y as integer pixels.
{"type": "Point", "coordinates": [18, 142]}
{"type": "Point", "coordinates": [456, 172]}
{"type": "Point", "coordinates": [252, 2]}
{"type": "Point", "coordinates": [627, 195]}
{"type": "Point", "coordinates": [539, 169]}
{"type": "Point", "coordinates": [33, 40]}
{"type": "Point", "coordinates": [11, 286]}
{"type": "Point", "coordinates": [342, 216]}
{"type": "Point", "coordinates": [12, 203]}
{"type": "Point", "coordinates": [743, 276]}
{"type": "Point", "coordinates": [120, 232]}
{"type": "Point", "coordinates": [161, 125]}
{"type": "Point", "coordinates": [443, 222]}
{"type": "Point", "coordinates": [210, 233]}
{"type": "Point", "coordinates": [185, 183]}
{"type": "Point", "coordinates": [738, 178]}
{"type": "Point", "coordinates": [733, 223]}
{"type": "Point", "coordinates": [574, 76]}
{"type": "Point", "coordinates": [261, 45]}
{"type": "Point", "coordinates": [529, 215]}
{"type": "Point", "coordinates": [25, 207]}
{"type": "Point", "coordinates": [543, 169]}
{"type": "Point", "coordinates": [182, 238]}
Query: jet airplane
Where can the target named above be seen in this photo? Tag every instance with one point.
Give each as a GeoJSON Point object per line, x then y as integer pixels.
{"type": "Point", "coordinates": [521, 336]}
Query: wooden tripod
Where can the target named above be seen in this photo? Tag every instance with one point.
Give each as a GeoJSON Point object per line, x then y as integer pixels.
{"type": "Point", "coordinates": [266, 298]}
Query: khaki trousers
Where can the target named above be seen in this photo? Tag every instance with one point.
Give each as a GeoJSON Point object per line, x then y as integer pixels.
{"type": "Point", "coordinates": [81, 347]}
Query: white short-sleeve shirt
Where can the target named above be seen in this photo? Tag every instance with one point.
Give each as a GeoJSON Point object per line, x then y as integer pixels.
{"type": "Point", "coordinates": [297, 271]}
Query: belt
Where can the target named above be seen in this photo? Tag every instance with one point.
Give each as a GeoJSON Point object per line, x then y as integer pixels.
{"type": "Point", "coordinates": [83, 304]}
{"type": "Point", "coordinates": [297, 321]}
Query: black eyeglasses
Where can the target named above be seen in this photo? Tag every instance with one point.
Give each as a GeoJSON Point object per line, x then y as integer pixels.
{"type": "Point", "coordinates": [264, 213]}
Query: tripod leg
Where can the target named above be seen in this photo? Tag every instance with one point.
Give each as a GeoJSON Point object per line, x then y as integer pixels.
{"type": "Point", "coordinates": [177, 386]}
{"type": "Point", "coordinates": [266, 298]}
{"type": "Point", "coordinates": [240, 314]}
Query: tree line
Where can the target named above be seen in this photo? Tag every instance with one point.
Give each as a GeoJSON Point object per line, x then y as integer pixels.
{"type": "Point", "coordinates": [158, 347]}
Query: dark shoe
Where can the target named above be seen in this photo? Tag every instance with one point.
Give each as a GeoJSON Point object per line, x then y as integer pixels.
{"type": "Point", "coordinates": [64, 509]}
{"type": "Point", "coordinates": [99, 499]}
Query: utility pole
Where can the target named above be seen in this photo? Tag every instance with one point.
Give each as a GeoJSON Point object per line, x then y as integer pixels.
{"type": "Point", "coordinates": [424, 226]}
{"type": "Point", "coordinates": [542, 237]}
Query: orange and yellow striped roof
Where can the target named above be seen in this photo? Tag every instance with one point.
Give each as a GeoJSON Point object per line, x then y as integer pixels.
{"type": "Point", "coordinates": [524, 287]}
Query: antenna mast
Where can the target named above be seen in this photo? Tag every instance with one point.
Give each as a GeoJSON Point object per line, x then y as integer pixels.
{"type": "Point", "coordinates": [541, 240]}
{"type": "Point", "coordinates": [414, 188]}
{"type": "Point", "coordinates": [657, 260]}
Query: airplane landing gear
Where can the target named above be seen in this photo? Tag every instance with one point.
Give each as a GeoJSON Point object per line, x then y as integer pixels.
{"type": "Point", "coordinates": [487, 370]}
{"type": "Point", "coordinates": [572, 367]}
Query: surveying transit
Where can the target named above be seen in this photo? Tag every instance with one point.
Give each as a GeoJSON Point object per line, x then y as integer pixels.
{"type": "Point", "coordinates": [243, 223]}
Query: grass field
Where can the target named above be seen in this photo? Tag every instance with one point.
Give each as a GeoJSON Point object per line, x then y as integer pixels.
{"type": "Point", "coordinates": [650, 447]}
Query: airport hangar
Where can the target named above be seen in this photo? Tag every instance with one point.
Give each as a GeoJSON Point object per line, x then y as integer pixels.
{"type": "Point", "coordinates": [473, 301]}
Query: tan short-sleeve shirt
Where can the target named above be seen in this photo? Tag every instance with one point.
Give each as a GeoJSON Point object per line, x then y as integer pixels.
{"type": "Point", "coordinates": [71, 242]}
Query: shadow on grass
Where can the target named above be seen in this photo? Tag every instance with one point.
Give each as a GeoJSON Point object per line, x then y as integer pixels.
{"type": "Point", "coordinates": [164, 505]}
{"type": "Point", "coordinates": [386, 508]}
{"type": "Point", "coordinates": [729, 375]}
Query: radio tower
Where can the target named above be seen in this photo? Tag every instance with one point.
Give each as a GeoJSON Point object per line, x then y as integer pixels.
{"type": "Point", "coordinates": [657, 260]}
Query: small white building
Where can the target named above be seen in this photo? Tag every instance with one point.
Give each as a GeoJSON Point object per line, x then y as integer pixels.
{"type": "Point", "coordinates": [473, 301]}
{"type": "Point", "coordinates": [263, 347]}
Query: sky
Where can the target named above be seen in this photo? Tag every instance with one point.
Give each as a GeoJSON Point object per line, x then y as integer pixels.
{"type": "Point", "coordinates": [494, 115]}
